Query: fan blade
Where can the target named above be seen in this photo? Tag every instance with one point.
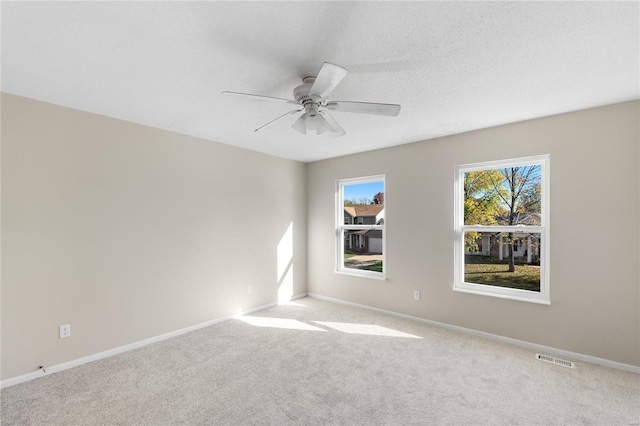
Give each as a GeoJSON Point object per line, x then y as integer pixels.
{"type": "Point", "coordinates": [336, 130]}
{"type": "Point", "coordinates": [266, 98]}
{"type": "Point", "coordinates": [365, 107]}
{"type": "Point", "coordinates": [272, 121]}
{"type": "Point", "coordinates": [328, 78]}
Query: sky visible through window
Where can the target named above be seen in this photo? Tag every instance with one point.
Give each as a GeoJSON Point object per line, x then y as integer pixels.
{"type": "Point", "coordinates": [363, 190]}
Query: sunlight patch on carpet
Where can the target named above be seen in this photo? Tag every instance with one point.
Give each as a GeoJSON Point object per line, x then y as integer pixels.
{"type": "Point", "coordinates": [284, 323]}
{"type": "Point", "coordinates": [366, 329]}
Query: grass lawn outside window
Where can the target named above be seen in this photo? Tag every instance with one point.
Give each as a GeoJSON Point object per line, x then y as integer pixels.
{"type": "Point", "coordinates": [489, 271]}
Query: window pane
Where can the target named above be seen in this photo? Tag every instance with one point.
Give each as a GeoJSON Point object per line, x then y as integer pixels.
{"type": "Point", "coordinates": [487, 259]}
{"type": "Point", "coordinates": [363, 249]}
{"type": "Point", "coordinates": [503, 196]}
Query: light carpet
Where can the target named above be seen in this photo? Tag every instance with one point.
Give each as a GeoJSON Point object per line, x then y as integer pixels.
{"type": "Point", "coordinates": [313, 362]}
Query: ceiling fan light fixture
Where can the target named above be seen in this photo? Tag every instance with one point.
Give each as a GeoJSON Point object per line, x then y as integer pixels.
{"type": "Point", "coordinates": [300, 124]}
{"type": "Point", "coordinates": [314, 121]}
{"type": "Point", "coordinates": [326, 127]}
{"type": "Point", "coordinates": [337, 132]}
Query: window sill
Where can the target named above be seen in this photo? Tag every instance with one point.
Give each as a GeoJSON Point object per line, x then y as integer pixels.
{"type": "Point", "coordinates": [361, 274]}
{"type": "Point", "coordinates": [539, 300]}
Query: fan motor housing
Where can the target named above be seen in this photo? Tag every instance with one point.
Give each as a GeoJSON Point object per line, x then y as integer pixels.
{"type": "Point", "coordinates": [301, 93]}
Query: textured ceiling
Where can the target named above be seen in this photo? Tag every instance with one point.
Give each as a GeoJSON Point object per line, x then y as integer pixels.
{"type": "Point", "coordinates": [453, 66]}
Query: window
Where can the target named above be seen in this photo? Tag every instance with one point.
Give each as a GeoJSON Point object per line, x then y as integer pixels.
{"type": "Point", "coordinates": [502, 229]}
{"type": "Point", "coordinates": [360, 247]}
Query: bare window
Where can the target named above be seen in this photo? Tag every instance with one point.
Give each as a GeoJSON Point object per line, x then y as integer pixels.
{"type": "Point", "coordinates": [360, 246]}
{"type": "Point", "coordinates": [502, 233]}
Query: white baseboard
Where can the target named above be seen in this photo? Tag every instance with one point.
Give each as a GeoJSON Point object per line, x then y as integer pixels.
{"type": "Point", "coordinates": [299, 296]}
{"type": "Point", "coordinates": [110, 352]}
{"type": "Point", "coordinates": [120, 349]}
{"type": "Point", "coordinates": [534, 346]}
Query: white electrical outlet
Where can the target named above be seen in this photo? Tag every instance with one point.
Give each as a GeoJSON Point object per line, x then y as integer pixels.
{"type": "Point", "coordinates": [416, 295]}
{"type": "Point", "coordinates": [65, 331]}
{"type": "Point", "coordinates": [249, 289]}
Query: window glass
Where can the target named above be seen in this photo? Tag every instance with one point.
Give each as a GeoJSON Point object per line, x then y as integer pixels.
{"type": "Point", "coordinates": [486, 259]}
{"type": "Point", "coordinates": [502, 229]}
{"type": "Point", "coordinates": [503, 196]}
{"type": "Point", "coordinates": [361, 243]}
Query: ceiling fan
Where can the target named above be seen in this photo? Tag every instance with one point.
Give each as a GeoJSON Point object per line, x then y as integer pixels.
{"type": "Point", "coordinates": [313, 95]}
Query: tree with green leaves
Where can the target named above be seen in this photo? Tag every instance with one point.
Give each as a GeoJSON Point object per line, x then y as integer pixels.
{"type": "Point", "coordinates": [519, 189]}
{"type": "Point", "coordinates": [482, 204]}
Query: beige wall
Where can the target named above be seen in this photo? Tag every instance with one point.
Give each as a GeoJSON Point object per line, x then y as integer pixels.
{"type": "Point", "coordinates": [128, 232]}
{"type": "Point", "coordinates": [594, 228]}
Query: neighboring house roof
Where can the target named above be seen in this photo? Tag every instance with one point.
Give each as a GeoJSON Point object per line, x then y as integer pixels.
{"type": "Point", "coordinates": [350, 210]}
{"type": "Point", "coordinates": [364, 209]}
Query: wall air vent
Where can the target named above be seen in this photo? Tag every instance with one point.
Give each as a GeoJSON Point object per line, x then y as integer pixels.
{"type": "Point", "coordinates": [553, 360]}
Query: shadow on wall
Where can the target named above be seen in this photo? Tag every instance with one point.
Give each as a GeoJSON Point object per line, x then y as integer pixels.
{"type": "Point", "coordinates": [284, 269]}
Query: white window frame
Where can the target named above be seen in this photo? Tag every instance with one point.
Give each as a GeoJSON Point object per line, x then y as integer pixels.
{"type": "Point", "coordinates": [542, 297]}
{"type": "Point", "coordinates": [341, 228]}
